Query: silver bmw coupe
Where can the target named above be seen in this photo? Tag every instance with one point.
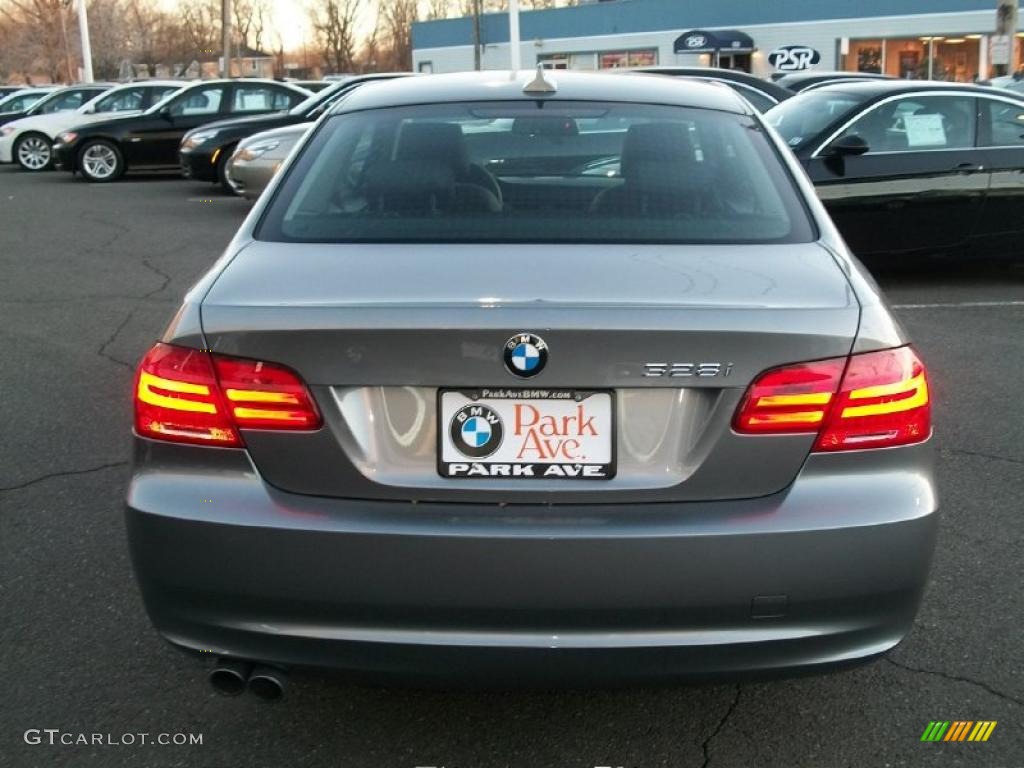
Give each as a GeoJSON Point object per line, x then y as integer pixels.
{"type": "Point", "coordinates": [552, 377]}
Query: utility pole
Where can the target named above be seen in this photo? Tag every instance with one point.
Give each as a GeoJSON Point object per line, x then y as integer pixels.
{"type": "Point", "coordinates": [1003, 44]}
{"type": "Point", "coordinates": [513, 34]}
{"type": "Point", "coordinates": [476, 35]}
{"type": "Point", "coordinates": [225, 26]}
{"type": "Point", "coordinates": [83, 31]}
{"type": "Point", "coordinates": [67, 48]}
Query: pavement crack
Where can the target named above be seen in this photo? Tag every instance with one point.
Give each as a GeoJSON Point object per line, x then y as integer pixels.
{"type": "Point", "coordinates": [706, 745]}
{"type": "Point", "coordinates": [958, 679]}
{"type": "Point", "coordinates": [65, 473]}
{"type": "Point", "coordinates": [166, 279]}
{"type": "Point", "coordinates": [981, 455]}
{"type": "Point", "coordinates": [102, 351]}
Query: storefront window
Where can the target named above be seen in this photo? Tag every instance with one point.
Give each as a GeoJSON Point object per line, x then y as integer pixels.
{"type": "Point", "coordinates": [953, 58]}
{"type": "Point", "coordinates": [866, 56]}
{"type": "Point", "coordinates": [644, 57]}
{"type": "Point", "coordinates": [568, 60]}
{"type": "Point", "coordinates": [617, 59]}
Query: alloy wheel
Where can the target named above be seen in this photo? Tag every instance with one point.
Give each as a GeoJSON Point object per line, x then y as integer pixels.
{"type": "Point", "coordinates": [99, 162]}
{"type": "Point", "coordinates": [34, 153]}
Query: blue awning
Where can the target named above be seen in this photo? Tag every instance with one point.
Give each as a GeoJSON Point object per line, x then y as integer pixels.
{"type": "Point", "coordinates": [702, 41]}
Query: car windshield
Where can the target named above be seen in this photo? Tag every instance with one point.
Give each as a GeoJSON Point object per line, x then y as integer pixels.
{"type": "Point", "coordinates": [168, 98]}
{"type": "Point", "coordinates": [508, 172]}
{"type": "Point", "coordinates": [19, 101]}
{"type": "Point", "coordinates": [801, 119]}
{"type": "Point", "coordinates": [316, 99]}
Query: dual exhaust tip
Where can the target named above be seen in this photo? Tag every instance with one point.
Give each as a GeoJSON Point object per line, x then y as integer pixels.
{"type": "Point", "coordinates": [231, 677]}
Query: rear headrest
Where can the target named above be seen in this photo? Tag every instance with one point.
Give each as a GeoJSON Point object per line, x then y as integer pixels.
{"type": "Point", "coordinates": [442, 142]}
{"type": "Point", "coordinates": [403, 185]}
{"type": "Point", "coordinates": [660, 143]}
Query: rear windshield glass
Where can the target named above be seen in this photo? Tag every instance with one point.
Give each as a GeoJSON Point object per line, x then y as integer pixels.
{"type": "Point", "coordinates": [803, 118]}
{"type": "Point", "coordinates": [538, 172]}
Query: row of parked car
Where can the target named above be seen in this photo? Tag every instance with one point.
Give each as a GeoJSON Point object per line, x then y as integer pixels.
{"type": "Point", "coordinates": [903, 166]}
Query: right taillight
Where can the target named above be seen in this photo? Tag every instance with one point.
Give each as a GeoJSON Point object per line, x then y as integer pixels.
{"type": "Point", "coordinates": [870, 400]}
{"type": "Point", "coordinates": [883, 401]}
{"type": "Point", "coordinates": [189, 395]}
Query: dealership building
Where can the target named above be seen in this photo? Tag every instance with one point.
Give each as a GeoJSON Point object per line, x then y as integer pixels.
{"type": "Point", "coordinates": [940, 39]}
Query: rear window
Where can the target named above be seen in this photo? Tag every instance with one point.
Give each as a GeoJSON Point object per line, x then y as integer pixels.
{"type": "Point", "coordinates": [549, 171]}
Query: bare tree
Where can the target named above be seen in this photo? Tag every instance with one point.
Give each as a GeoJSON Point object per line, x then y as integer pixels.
{"type": "Point", "coordinates": [334, 26]}
{"type": "Point", "coordinates": [252, 18]}
{"type": "Point", "coordinates": [200, 26]}
{"type": "Point", "coordinates": [37, 25]}
{"type": "Point", "coordinates": [397, 17]}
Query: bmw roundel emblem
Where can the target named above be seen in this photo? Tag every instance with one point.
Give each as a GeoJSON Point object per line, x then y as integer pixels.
{"type": "Point", "coordinates": [526, 355]}
{"type": "Point", "coordinates": [476, 431]}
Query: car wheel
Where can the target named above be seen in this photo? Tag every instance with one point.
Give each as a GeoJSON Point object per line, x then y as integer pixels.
{"type": "Point", "coordinates": [222, 170]}
{"type": "Point", "coordinates": [101, 161]}
{"type": "Point", "coordinates": [33, 152]}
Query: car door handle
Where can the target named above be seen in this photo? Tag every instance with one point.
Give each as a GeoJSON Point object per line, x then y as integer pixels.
{"type": "Point", "coordinates": [969, 167]}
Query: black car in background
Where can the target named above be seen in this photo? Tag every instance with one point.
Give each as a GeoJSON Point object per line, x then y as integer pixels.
{"type": "Point", "coordinates": [816, 78]}
{"type": "Point", "coordinates": [205, 151]}
{"type": "Point", "coordinates": [60, 100]}
{"type": "Point", "coordinates": [104, 151]}
{"type": "Point", "coordinates": [911, 168]}
{"type": "Point", "coordinates": [763, 94]}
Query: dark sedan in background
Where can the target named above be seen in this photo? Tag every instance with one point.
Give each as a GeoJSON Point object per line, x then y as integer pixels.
{"type": "Point", "coordinates": [204, 152]}
{"type": "Point", "coordinates": [816, 78]}
{"type": "Point", "coordinates": [60, 100]}
{"type": "Point", "coordinates": [914, 168]}
{"type": "Point", "coordinates": [104, 151]}
{"type": "Point", "coordinates": [763, 94]}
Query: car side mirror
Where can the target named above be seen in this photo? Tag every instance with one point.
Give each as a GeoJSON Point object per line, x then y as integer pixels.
{"type": "Point", "coordinates": [89, 110]}
{"type": "Point", "coordinates": [846, 146]}
{"type": "Point", "coordinates": [165, 112]}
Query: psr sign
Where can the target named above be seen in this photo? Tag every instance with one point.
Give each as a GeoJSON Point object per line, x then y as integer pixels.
{"type": "Point", "coordinates": [793, 58]}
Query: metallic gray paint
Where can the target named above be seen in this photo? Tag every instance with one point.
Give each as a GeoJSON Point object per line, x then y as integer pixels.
{"type": "Point", "coordinates": [396, 575]}
{"type": "Point", "coordinates": [649, 590]}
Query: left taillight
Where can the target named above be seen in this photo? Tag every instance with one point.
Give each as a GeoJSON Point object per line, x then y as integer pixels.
{"type": "Point", "coordinates": [192, 396]}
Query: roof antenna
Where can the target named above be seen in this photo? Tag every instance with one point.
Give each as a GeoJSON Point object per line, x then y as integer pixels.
{"type": "Point", "coordinates": [539, 84]}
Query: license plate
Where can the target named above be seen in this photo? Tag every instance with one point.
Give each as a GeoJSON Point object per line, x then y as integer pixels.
{"type": "Point", "coordinates": [562, 434]}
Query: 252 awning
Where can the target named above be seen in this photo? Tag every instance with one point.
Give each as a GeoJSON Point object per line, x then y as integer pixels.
{"type": "Point", "coordinates": [703, 41]}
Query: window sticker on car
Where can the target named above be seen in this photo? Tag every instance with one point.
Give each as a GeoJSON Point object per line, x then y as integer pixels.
{"type": "Point", "coordinates": [925, 130]}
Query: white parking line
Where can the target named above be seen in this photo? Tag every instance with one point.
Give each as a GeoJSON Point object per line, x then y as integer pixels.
{"type": "Point", "coordinates": [960, 305]}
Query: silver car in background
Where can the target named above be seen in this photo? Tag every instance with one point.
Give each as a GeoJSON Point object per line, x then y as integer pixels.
{"type": "Point", "coordinates": [454, 406]}
{"type": "Point", "coordinates": [260, 156]}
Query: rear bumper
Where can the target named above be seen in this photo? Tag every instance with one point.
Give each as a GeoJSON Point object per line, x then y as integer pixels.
{"type": "Point", "coordinates": [830, 571]}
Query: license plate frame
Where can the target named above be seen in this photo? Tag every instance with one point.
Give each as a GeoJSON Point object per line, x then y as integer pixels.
{"type": "Point", "coordinates": [484, 467]}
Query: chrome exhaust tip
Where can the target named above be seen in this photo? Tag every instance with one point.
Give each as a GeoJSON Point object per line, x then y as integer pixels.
{"type": "Point", "coordinates": [230, 677]}
{"type": "Point", "coordinates": [268, 682]}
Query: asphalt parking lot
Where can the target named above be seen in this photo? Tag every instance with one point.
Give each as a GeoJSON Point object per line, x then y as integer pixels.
{"type": "Point", "coordinates": [89, 277]}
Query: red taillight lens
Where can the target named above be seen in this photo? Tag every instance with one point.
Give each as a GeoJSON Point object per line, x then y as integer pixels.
{"type": "Point", "coordinates": [265, 396]}
{"type": "Point", "coordinates": [190, 396]}
{"type": "Point", "coordinates": [791, 399]}
{"type": "Point", "coordinates": [881, 400]}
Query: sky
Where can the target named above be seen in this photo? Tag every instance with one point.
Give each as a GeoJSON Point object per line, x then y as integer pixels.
{"type": "Point", "coordinates": [291, 20]}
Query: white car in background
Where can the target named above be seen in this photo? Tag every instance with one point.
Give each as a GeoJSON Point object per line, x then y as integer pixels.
{"type": "Point", "coordinates": [24, 99]}
{"type": "Point", "coordinates": [28, 141]}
